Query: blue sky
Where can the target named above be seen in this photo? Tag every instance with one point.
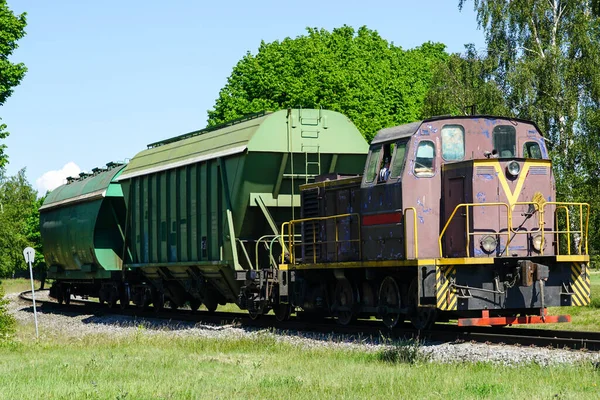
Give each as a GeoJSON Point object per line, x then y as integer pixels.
{"type": "Point", "coordinates": [106, 78]}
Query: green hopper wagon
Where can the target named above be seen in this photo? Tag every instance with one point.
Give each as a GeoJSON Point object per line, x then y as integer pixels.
{"type": "Point", "coordinates": [207, 206]}
{"type": "Point", "coordinates": [81, 229]}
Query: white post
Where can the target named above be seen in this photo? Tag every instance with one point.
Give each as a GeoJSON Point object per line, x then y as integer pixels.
{"type": "Point", "coordinates": [29, 255]}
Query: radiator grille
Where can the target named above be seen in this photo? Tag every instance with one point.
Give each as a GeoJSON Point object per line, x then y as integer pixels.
{"type": "Point", "coordinates": [538, 170]}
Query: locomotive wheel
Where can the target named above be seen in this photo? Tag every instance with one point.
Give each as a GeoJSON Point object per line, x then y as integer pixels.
{"type": "Point", "coordinates": [389, 296]}
{"type": "Point", "coordinates": [194, 304]}
{"type": "Point", "coordinates": [420, 317]}
{"type": "Point", "coordinates": [282, 312]}
{"type": "Point", "coordinates": [346, 298]}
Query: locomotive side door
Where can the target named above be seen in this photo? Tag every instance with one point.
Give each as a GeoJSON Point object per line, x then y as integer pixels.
{"type": "Point", "coordinates": [454, 194]}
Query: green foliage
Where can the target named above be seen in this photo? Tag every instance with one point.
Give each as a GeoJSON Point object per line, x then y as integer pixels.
{"type": "Point", "coordinates": [357, 73]}
{"type": "Point", "coordinates": [546, 56]}
{"type": "Point", "coordinates": [7, 322]}
{"type": "Point", "coordinates": [464, 81]}
{"type": "Point", "coordinates": [12, 28]}
{"type": "Point", "coordinates": [19, 223]}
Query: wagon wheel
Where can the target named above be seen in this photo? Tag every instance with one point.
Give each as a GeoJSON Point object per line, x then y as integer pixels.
{"type": "Point", "coordinates": [60, 298]}
{"type": "Point", "coordinates": [420, 317]}
{"type": "Point", "coordinates": [113, 297]}
{"type": "Point", "coordinates": [389, 298]}
{"type": "Point", "coordinates": [194, 304]}
{"type": "Point", "coordinates": [345, 297]}
{"type": "Point", "coordinates": [158, 301]}
{"type": "Point", "coordinates": [124, 297]}
{"type": "Point", "coordinates": [210, 302]}
{"type": "Point", "coordinates": [67, 295]}
{"type": "Point", "coordinates": [255, 313]}
{"type": "Point", "coordinates": [282, 311]}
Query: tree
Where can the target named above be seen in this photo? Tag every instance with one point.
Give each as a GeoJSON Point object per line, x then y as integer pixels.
{"type": "Point", "coordinates": [546, 56]}
{"type": "Point", "coordinates": [464, 84]}
{"type": "Point", "coordinates": [19, 222]}
{"type": "Point", "coordinates": [357, 73]}
{"type": "Point", "coordinates": [12, 28]}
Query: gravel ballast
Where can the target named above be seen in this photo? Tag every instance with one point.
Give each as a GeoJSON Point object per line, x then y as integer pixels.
{"type": "Point", "coordinates": [79, 324]}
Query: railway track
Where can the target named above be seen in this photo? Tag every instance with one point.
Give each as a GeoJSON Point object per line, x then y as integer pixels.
{"type": "Point", "coordinates": [573, 340]}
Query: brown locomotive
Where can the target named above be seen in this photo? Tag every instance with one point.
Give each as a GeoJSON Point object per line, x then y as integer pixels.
{"type": "Point", "coordinates": [453, 218]}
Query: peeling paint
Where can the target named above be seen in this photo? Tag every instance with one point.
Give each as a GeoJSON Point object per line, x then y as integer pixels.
{"type": "Point", "coordinates": [481, 197]}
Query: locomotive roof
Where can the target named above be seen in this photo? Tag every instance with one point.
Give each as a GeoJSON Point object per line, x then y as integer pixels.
{"type": "Point", "coordinates": [407, 130]}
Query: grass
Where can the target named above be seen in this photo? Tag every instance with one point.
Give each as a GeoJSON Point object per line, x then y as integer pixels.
{"type": "Point", "coordinates": [19, 285]}
{"type": "Point", "coordinates": [143, 367]}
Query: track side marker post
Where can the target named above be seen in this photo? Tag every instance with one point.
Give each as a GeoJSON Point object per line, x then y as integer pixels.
{"type": "Point", "coordinates": [29, 254]}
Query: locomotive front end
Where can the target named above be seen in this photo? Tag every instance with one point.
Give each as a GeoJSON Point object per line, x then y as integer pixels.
{"type": "Point", "coordinates": [509, 249]}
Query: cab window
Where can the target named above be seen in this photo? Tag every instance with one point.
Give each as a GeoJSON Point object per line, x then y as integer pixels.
{"type": "Point", "coordinates": [453, 142]}
{"type": "Point", "coordinates": [424, 162]}
{"type": "Point", "coordinates": [373, 164]}
{"type": "Point", "coordinates": [505, 140]}
{"type": "Point", "coordinates": [532, 150]}
{"type": "Point", "coordinates": [398, 160]}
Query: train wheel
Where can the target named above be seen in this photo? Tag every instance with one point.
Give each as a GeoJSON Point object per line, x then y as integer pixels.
{"type": "Point", "coordinates": [67, 295]}
{"type": "Point", "coordinates": [60, 298]}
{"type": "Point", "coordinates": [345, 301]}
{"type": "Point", "coordinates": [420, 317]}
{"type": "Point", "coordinates": [194, 304]}
{"type": "Point", "coordinates": [255, 313]}
{"type": "Point", "coordinates": [113, 297]}
{"type": "Point", "coordinates": [389, 298]}
{"type": "Point", "coordinates": [124, 297]}
{"type": "Point", "coordinates": [282, 312]}
{"type": "Point", "coordinates": [210, 301]}
{"type": "Point", "coordinates": [158, 301]}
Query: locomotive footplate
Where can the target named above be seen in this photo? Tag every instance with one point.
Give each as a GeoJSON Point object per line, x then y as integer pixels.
{"type": "Point", "coordinates": [487, 320]}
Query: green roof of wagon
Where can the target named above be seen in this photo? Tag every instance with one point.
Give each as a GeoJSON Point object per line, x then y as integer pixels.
{"type": "Point", "coordinates": [84, 189]}
{"type": "Point", "coordinates": [259, 133]}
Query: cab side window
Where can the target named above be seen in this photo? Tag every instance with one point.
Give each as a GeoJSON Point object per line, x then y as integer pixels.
{"type": "Point", "coordinates": [425, 160]}
{"type": "Point", "coordinates": [398, 159]}
{"type": "Point", "coordinates": [453, 142]}
{"type": "Point", "coordinates": [505, 140]}
{"type": "Point", "coordinates": [373, 164]}
{"type": "Point", "coordinates": [532, 150]}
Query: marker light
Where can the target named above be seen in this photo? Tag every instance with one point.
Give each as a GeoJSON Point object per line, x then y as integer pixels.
{"type": "Point", "coordinates": [488, 244]}
{"type": "Point", "coordinates": [513, 168]}
{"type": "Point", "coordinates": [537, 242]}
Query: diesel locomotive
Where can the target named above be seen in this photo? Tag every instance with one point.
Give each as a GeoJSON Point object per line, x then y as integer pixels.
{"type": "Point", "coordinates": [292, 211]}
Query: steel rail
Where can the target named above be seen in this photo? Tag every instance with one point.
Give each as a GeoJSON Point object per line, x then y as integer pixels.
{"type": "Point", "coordinates": [572, 340]}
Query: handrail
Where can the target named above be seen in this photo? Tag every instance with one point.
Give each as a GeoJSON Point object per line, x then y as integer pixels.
{"type": "Point", "coordinates": [539, 207]}
{"type": "Point", "coordinates": [415, 233]}
{"type": "Point", "coordinates": [291, 235]}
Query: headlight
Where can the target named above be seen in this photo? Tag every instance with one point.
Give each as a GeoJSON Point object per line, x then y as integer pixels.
{"type": "Point", "coordinates": [537, 242]}
{"type": "Point", "coordinates": [513, 168]}
{"type": "Point", "coordinates": [488, 244]}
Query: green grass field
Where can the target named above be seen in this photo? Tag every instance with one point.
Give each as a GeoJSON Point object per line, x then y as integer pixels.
{"type": "Point", "coordinates": [141, 367]}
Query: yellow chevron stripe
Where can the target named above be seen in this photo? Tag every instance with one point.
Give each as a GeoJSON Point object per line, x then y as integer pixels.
{"type": "Point", "coordinates": [511, 196]}
{"type": "Point", "coordinates": [580, 283]}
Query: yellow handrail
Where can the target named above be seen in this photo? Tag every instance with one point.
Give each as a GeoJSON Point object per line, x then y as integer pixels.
{"type": "Point", "coordinates": [541, 208]}
{"type": "Point", "coordinates": [291, 243]}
